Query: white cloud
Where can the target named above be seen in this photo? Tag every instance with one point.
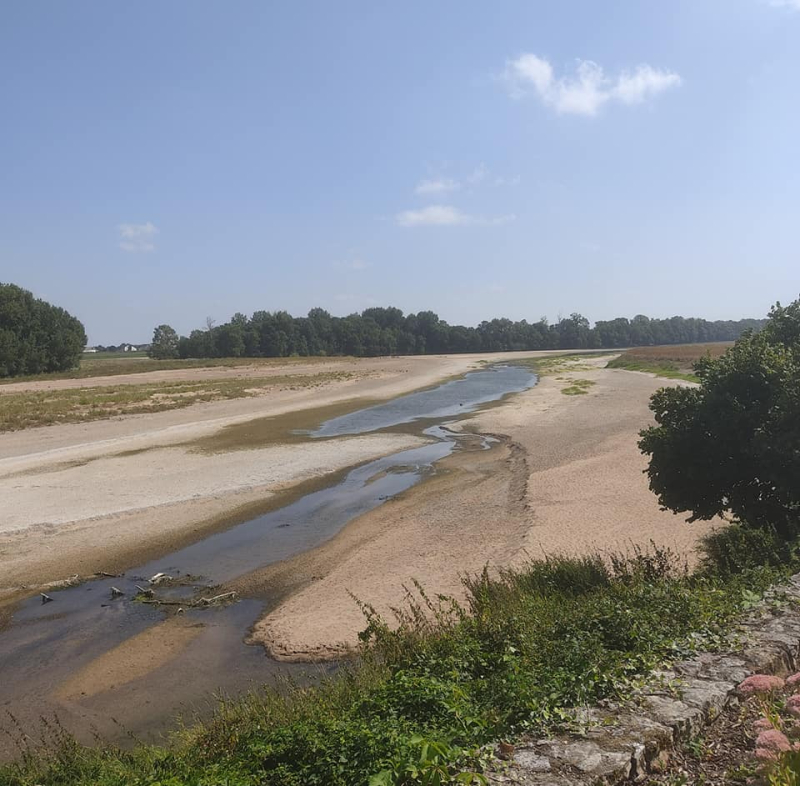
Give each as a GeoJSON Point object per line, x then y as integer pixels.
{"type": "Point", "coordinates": [433, 215]}
{"type": "Point", "coordinates": [352, 264]}
{"type": "Point", "coordinates": [589, 89]}
{"type": "Point", "coordinates": [507, 181]}
{"type": "Point", "coordinates": [137, 237]}
{"type": "Point", "coordinates": [478, 175]}
{"type": "Point", "coordinates": [793, 4]}
{"type": "Point", "coordinates": [446, 215]}
{"type": "Point", "coordinates": [439, 186]}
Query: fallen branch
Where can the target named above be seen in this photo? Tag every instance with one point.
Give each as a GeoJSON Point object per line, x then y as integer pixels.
{"type": "Point", "coordinates": [215, 599]}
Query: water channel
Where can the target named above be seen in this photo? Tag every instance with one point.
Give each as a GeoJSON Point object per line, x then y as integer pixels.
{"type": "Point", "coordinates": [46, 643]}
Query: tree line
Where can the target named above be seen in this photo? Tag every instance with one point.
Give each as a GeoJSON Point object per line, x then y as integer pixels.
{"type": "Point", "coordinates": [36, 336]}
{"type": "Point", "coordinates": [388, 331]}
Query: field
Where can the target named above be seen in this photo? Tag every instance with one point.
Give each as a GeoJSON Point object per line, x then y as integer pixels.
{"type": "Point", "coordinates": [675, 361]}
{"type": "Point", "coordinates": [106, 364]}
{"type": "Point", "coordinates": [77, 405]}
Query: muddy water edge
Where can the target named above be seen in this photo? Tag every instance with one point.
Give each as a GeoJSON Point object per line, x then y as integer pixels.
{"type": "Point", "coordinates": [126, 655]}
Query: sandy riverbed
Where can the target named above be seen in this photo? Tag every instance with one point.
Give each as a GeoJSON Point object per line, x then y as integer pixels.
{"type": "Point", "coordinates": [568, 479]}
{"type": "Point", "coordinates": [107, 495]}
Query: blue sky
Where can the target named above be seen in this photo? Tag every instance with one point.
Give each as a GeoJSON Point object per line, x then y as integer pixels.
{"type": "Point", "coordinates": [169, 161]}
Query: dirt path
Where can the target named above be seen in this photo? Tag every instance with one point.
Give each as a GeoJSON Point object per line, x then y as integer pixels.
{"type": "Point", "coordinates": [569, 479]}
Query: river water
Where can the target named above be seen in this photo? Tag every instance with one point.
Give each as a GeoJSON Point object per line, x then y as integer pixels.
{"type": "Point", "coordinates": [46, 643]}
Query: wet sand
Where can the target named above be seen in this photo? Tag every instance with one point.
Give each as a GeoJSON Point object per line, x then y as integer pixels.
{"type": "Point", "coordinates": [568, 478]}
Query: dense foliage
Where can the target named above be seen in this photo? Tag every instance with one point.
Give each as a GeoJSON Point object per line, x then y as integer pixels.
{"type": "Point", "coordinates": [528, 646]}
{"type": "Point", "coordinates": [387, 331]}
{"type": "Point", "coordinates": [732, 445]}
{"type": "Point", "coordinates": [36, 336]}
{"type": "Point", "coordinates": [164, 344]}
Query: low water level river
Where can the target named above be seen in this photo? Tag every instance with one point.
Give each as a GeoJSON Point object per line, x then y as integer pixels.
{"type": "Point", "coordinates": [48, 643]}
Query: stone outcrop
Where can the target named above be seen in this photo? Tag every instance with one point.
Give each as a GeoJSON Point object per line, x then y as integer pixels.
{"type": "Point", "coordinates": [622, 743]}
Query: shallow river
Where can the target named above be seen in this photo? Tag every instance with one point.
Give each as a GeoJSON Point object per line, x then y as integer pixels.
{"type": "Point", "coordinates": [46, 643]}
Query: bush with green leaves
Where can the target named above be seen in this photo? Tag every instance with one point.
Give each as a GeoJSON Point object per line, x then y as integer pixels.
{"type": "Point", "coordinates": [36, 336]}
{"type": "Point", "coordinates": [732, 445]}
{"type": "Point", "coordinates": [443, 680]}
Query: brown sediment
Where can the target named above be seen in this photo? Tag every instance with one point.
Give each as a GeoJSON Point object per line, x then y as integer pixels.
{"type": "Point", "coordinates": [134, 658]}
{"type": "Point", "coordinates": [285, 429]}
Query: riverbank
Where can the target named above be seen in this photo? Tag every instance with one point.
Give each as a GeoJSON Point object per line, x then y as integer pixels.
{"type": "Point", "coordinates": [106, 495]}
{"type": "Point", "coordinates": [568, 479]}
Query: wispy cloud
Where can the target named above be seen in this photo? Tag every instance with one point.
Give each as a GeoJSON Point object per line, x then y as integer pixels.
{"type": "Point", "coordinates": [137, 237]}
{"type": "Point", "coordinates": [437, 186]}
{"type": "Point", "coordinates": [480, 175]}
{"type": "Point", "coordinates": [356, 263]}
{"type": "Point", "coordinates": [447, 216]}
{"type": "Point", "coordinates": [589, 89]}
{"type": "Point", "coordinates": [793, 4]}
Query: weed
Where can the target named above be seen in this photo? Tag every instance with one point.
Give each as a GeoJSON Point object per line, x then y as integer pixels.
{"type": "Point", "coordinates": [441, 680]}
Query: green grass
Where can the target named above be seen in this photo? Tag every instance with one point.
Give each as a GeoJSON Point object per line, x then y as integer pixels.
{"type": "Point", "coordinates": [579, 387]}
{"type": "Point", "coordinates": [661, 369]}
{"type": "Point", "coordinates": [105, 364]}
{"type": "Point", "coordinates": [79, 405]}
{"type": "Point", "coordinates": [526, 648]}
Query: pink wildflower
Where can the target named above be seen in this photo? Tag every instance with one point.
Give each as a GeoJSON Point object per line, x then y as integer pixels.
{"type": "Point", "coordinates": [766, 755]}
{"type": "Point", "coordinates": [763, 724]}
{"type": "Point", "coordinates": [793, 705]}
{"type": "Point", "coordinates": [772, 742]}
{"type": "Point", "coordinates": [793, 680]}
{"type": "Point", "coordinates": [760, 683]}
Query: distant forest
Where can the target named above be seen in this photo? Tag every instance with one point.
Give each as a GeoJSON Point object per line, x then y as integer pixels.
{"type": "Point", "coordinates": [387, 331]}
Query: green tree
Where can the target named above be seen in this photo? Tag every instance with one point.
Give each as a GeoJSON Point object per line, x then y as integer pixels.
{"type": "Point", "coordinates": [732, 445]}
{"type": "Point", "coordinates": [36, 336]}
{"type": "Point", "coordinates": [165, 343]}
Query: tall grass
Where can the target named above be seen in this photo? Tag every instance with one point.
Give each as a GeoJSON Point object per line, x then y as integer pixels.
{"type": "Point", "coordinates": [442, 679]}
{"type": "Point", "coordinates": [673, 362]}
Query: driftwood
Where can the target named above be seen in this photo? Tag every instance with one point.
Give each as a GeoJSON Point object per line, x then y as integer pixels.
{"type": "Point", "coordinates": [157, 602]}
{"type": "Point", "coordinates": [159, 578]}
{"type": "Point", "coordinates": [116, 593]}
{"type": "Point", "coordinates": [216, 599]}
{"type": "Point", "coordinates": [105, 575]}
{"type": "Point", "coordinates": [146, 591]}
{"type": "Point", "coordinates": [45, 598]}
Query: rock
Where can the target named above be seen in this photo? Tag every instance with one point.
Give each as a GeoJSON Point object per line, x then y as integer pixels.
{"type": "Point", "coordinates": [660, 763]}
{"type": "Point", "coordinates": [529, 760]}
{"type": "Point", "coordinates": [685, 721]}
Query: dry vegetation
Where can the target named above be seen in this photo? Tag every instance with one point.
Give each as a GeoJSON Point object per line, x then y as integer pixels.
{"type": "Point", "coordinates": [76, 405]}
{"type": "Point", "coordinates": [674, 361]}
{"type": "Point", "coordinates": [116, 363]}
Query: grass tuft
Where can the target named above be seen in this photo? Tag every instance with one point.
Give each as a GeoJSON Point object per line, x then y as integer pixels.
{"type": "Point", "coordinates": [441, 679]}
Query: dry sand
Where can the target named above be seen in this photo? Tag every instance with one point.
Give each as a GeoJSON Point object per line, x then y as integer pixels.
{"type": "Point", "coordinates": [106, 495]}
{"type": "Point", "coordinates": [568, 478]}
